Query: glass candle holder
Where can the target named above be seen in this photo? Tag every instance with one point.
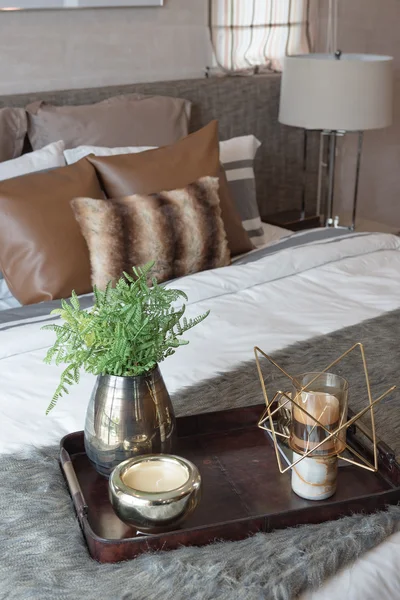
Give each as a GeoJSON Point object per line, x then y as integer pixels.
{"type": "Point", "coordinates": [325, 399]}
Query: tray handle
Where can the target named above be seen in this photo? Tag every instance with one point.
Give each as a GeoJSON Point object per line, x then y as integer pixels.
{"type": "Point", "coordinates": [73, 484]}
{"type": "Point", "coordinates": [386, 451]}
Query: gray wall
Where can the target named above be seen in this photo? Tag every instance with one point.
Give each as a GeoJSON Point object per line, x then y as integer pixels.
{"type": "Point", "coordinates": [371, 26]}
{"type": "Point", "coordinates": [49, 50]}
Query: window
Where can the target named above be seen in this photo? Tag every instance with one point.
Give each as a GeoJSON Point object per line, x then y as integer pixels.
{"type": "Point", "coordinates": [254, 34]}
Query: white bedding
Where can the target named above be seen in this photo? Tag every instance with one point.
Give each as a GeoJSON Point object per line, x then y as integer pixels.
{"type": "Point", "coordinates": [287, 296]}
{"type": "Point", "coordinates": [272, 233]}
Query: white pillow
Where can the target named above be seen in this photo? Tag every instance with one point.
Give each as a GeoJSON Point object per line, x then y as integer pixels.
{"type": "Point", "coordinates": [238, 148]}
{"type": "Point", "coordinates": [49, 157]}
{"type": "Point", "coordinates": [75, 154]}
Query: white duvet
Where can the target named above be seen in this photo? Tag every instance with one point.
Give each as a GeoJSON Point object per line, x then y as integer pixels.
{"type": "Point", "coordinates": [288, 296]}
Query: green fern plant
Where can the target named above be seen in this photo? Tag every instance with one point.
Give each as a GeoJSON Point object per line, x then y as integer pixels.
{"type": "Point", "coordinates": [130, 329]}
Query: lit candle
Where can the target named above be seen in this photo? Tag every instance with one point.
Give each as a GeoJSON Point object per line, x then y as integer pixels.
{"type": "Point", "coordinates": [307, 434]}
{"type": "Point", "coordinates": [155, 476]}
{"type": "Point", "coordinates": [154, 492]}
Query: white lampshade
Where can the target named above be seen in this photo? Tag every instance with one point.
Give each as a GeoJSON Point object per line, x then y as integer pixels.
{"type": "Point", "coordinates": [350, 93]}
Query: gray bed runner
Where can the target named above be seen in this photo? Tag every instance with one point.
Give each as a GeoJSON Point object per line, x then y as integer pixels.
{"type": "Point", "coordinates": [43, 555]}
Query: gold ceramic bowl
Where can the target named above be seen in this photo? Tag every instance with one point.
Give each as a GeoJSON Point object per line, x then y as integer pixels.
{"type": "Point", "coordinates": [154, 511]}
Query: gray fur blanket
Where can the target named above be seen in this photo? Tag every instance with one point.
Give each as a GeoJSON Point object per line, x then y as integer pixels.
{"type": "Point", "coordinates": [43, 555]}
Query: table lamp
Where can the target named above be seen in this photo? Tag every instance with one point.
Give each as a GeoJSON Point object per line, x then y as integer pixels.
{"type": "Point", "coordinates": [336, 94]}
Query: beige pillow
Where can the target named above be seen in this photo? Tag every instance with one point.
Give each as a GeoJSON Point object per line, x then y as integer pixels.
{"type": "Point", "coordinates": [131, 120]}
{"type": "Point", "coordinates": [181, 230]}
{"type": "Point", "coordinates": [13, 128]}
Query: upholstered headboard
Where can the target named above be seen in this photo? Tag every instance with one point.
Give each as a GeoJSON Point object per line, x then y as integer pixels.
{"type": "Point", "coordinates": [242, 105]}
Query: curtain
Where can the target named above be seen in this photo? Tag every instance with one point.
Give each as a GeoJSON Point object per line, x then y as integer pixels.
{"type": "Point", "coordinates": [256, 34]}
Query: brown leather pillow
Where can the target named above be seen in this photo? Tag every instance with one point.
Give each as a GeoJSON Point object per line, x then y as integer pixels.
{"type": "Point", "coordinates": [174, 167]}
{"type": "Point", "coordinates": [43, 255]}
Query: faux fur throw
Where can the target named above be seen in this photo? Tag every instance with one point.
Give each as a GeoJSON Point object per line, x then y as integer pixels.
{"type": "Point", "coordinates": [42, 551]}
{"type": "Point", "coordinates": [181, 230]}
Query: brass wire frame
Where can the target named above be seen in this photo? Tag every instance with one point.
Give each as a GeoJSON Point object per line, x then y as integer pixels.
{"type": "Point", "coordinates": [268, 414]}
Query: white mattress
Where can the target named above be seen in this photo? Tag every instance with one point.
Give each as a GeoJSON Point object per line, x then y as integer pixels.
{"type": "Point", "coordinates": [289, 295]}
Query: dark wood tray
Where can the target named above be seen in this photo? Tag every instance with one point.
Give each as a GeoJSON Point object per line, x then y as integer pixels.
{"type": "Point", "coordinates": [243, 491]}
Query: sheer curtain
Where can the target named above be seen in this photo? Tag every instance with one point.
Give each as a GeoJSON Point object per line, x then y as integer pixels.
{"type": "Point", "coordinates": [256, 34]}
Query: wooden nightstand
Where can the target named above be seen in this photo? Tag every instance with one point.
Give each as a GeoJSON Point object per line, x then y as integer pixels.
{"type": "Point", "coordinates": [291, 219]}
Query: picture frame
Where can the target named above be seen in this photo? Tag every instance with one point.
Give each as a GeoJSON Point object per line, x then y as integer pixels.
{"type": "Point", "coordinates": [14, 5]}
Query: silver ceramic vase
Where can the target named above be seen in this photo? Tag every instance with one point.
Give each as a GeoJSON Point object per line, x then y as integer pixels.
{"type": "Point", "coordinates": [126, 417]}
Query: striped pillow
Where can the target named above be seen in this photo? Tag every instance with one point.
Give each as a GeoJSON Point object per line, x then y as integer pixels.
{"type": "Point", "coordinates": [181, 230]}
{"type": "Point", "coordinates": [237, 156]}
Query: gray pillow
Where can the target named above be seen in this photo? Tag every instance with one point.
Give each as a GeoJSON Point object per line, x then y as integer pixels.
{"type": "Point", "coordinates": [131, 120]}
{"type": "Point", "coordinates": [13, 127]}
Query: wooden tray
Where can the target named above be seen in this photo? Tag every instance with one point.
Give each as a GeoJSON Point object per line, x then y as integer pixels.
{"type": "Point", "coordinates": [243, 491]}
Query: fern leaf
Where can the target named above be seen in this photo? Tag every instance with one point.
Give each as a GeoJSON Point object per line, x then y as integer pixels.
{"type": "Point", "coordinates": [67, 378]}
{"type": "Point", "coordinates": [75, 301]}
{"type": "Point", "coordinates": [131, 327]}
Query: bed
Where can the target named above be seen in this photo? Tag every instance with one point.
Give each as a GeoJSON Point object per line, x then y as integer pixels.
{"type": "Point", "coordinates": [298, 287]}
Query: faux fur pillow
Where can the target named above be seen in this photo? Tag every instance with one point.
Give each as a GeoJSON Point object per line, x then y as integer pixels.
{"type": "Point", "coordinates": [181, 230]}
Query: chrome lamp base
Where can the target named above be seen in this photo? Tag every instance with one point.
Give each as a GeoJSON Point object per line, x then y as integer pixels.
{"type": "Point", "coordinates": [334, 222]}
{"type": "Point", "coordinates": [330, 165]}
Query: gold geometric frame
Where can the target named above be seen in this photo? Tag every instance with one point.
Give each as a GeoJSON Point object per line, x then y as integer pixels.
{"type": "Point", "coordinates": [268, 414]}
